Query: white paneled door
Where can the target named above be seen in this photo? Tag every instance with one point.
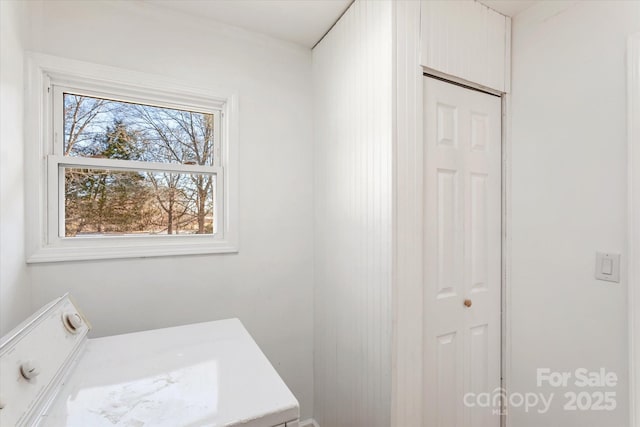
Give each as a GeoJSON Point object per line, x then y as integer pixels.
{"type": "Point", "coordinates": [462, 288]}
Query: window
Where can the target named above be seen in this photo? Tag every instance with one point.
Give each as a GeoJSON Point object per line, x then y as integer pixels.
{"type": "Point", "coordinates": [133, 169]}
{"type": "Point", "coordinates": [128, 169]}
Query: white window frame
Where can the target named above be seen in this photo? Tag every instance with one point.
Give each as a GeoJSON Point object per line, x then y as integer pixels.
{"type": "Point", "coordinates": [48, 79]}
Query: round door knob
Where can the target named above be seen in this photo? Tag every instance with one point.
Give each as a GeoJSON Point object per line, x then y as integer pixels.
{"type": "Point", "coordinates": [72, 321]}
{"type": "Point", "coordinates": [467, 303]}
{"type": "Point", "coordinates": [29, 369]}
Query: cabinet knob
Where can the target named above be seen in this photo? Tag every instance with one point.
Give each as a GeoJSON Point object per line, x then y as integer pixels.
{"type": "Point", "coordinates": [72, 321]}
{"type": "Point", "coordinates": [29, 369]}
{"type": "Point", "coordinates": [468, 303]}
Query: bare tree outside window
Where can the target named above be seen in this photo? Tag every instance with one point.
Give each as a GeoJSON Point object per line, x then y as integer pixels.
{"type": "Point", "coordinates": [115, 202]}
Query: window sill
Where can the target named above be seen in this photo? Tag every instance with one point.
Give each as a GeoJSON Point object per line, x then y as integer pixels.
{"type": "Point", "coordinates": [119, 249]}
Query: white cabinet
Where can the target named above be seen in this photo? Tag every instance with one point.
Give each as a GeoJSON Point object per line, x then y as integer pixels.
{"type": "Point", "coordinates": [466, 40]}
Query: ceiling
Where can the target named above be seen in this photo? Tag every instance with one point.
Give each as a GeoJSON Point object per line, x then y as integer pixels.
{"type": "Point", "coordinates": [508, 7]}
{"type": "Point", "coordinates": [301, 21]}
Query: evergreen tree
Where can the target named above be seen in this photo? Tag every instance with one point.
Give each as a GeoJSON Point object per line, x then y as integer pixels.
{"type": "Point", "coordinates": [103, 201]}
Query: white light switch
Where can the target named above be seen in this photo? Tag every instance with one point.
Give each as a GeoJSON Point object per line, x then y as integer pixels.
{"type": "Point", "coordinates": [608, 267]}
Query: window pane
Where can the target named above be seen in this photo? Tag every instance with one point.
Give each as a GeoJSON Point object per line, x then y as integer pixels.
{"type": "Point", "coordinates": [101, 202]}
{"type": "Point", "coordinates": [95, 127]}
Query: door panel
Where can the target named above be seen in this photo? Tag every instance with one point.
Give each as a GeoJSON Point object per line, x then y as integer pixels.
{"type": "Point", "coordinates": [449, 234]}
{"type": "Point", "coordinates": [448, 378]}
{"type": "Point", "coordinates": [479, 233]}
{"type": "Point", "coordinates": [462, 240]}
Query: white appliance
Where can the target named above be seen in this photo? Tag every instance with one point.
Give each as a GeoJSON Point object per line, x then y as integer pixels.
{"type": "Point", "coordinates": [204, 374]}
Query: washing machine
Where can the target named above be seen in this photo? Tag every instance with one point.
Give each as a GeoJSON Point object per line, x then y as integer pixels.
{"type": "Point", "coordinates": [203, 374]}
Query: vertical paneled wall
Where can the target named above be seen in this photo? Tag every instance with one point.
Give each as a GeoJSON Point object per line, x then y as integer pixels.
{"type": "Point", "coordinates": [353, 157]}
{"type": "Point", "coordinates": [15, 289]}
{"type": "Point", "coordinates": [408, 235]}
{"type": "Point", "coordinates": [466, 40]}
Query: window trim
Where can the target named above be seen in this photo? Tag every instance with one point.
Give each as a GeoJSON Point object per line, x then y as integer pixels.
{"type": "Point", "coordinates": [47, 77]}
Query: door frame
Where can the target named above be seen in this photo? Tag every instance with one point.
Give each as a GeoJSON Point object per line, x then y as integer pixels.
{"type": "Point", "coordinates": [506, 255]}
{"type": "Point", "coordinates": [633, 268]}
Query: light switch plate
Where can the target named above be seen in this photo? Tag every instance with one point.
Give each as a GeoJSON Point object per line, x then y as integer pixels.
{"type": "Point", "coordinates": [608, 266]}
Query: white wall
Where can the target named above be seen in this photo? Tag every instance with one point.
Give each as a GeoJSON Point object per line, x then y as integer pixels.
{"type": "Point", "coordinates": [268, 285]}
{"type": "Point", "coordinates": [353, 157]}
{"type": "Point", "coordinates": [569, 198]}
{"type": "Point", "coordinates": [15, 292]}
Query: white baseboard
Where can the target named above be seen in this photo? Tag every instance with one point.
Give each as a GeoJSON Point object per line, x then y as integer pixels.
{"type": "Point", "coordinates": [309, 422]}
